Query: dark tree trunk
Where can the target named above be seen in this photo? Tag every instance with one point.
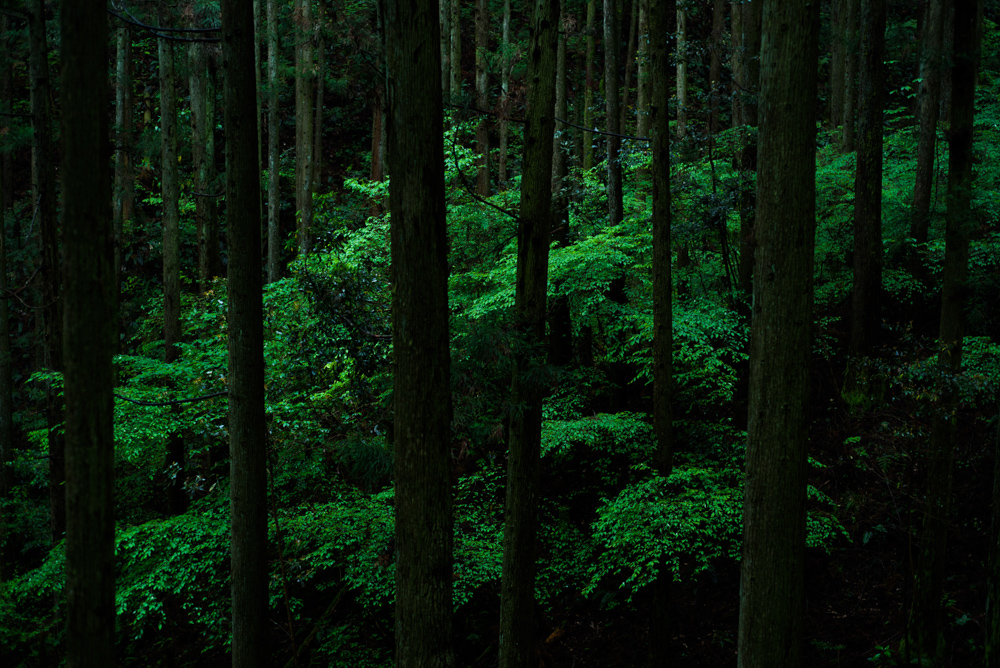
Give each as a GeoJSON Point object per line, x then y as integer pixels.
{"type": "Point", "coordinates": [930, 93]}
{"type": "Point", "coordinates": [517, 587]}
{"type": "Point", "coordinates": [926, 640]}
{"type": "Point", "coordinates": [866, 321]}
{"type": "Point", "coordinates": [560, 325]}
{"type": "Point", "coordinates": [643, 76]}
{"type": "Point", "coordinates": [124, 194]}
{"type": "Point", "coordinates": [746, 19]}
{"type": "Point", "coordinates": [90, 300]}
{"type": "Point", "coordinates": [483, 129]}
{"type": "Point", "coordinates": [247, 429]}
{"type": "Point", "coordinates": [659, 631]}
{"type": "Point", "coordinates": [170, 193]}
{"type": "Point", "coordinates": [612, 115]}
{"type": "Point", "coordinates": [456, 52]}
{"type": "Point", "coordinates": [590, 85]}
{"type": "Point", "coordinates": [682, 74]}
{"type": "Point", "coordinates": [303, 121]}
{"type": "Point", "coordinates": [837, 51]}
{"type": "Point", "coordinates": [851, 24]}
{"type": "Point", "coordinates": [630, 51]}
{"type": "Point", "coordinates": [421, 380]}
{"type": "Point", "coordinates": [505, 61]}
{"type": "Point", "coordinates": [6, 376]}
{"type": "Point", "coordinates": [771, 584]}
{"type": "Point", "coordinates": [273, 149]}
{"type": "Point", "coordinates": [317, 133]}
{"type": "Point", "coordinates": [715, 64]}
{"type": "Point", "coordinates": [200, 127]}
{"type": "Point", "coordinates": [444, 24]}
{"type": "Point", "coordinates": [43, 177]}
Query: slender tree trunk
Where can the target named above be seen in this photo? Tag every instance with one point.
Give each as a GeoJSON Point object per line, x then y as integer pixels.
{"type": "Point", "coordinates": [422, 393]}
{"type": "Point", "coordinates": [930, 92]}
{"type": "Point", "coordinates": [273, 149]}
{"type": "Point", "coordinates": [505, 64]}
{"type": "Point", "coordinates": [317, 134]}
{"type": "Point", "coordinates": [517, 587]}
{"type": "Point", "coordinates": [851, 26]}
{"type": "Point", "coordinates": [992, 658]}
{"type": "Point", "coordinates": [630, 53]}
{"type": "Point", "coordinates": [90, 299]}
{"type": "Point", "coordinates": [948, 49]}
{"type": "Point", "coordinates": [6, 369]}
{"type": "Point", "coordinates": [43, 179]}
{"type": "Point", "coordinates": [643, 78]}
{"type": "Point", "coordinates": [838, 39]}
{"type": "Point", "coordinates": [198, 74]}
{"type": "Point", "coordinates": [170, 193]}
{"type": "Point", "coordinates": [560, 325]}
{"type": "Point", "coordinates": [866, 322]}
{"type": "Point", "coordinates": [124, 193]}
{"type": "Point", "coordinates": [715, 65]}
{"type": "Point", "coordinates": [303, 121]}
{"type": "Point", "coordinates": [926, 641]}
{"type": "Point", "coordinates": [456, 51]}
{"type": "Point", "coordinates": [7, 95]}
{"type": "Point", "coordinates": [483, 129]}
{"type": "Point", "coordinates": [772, 582]}
{"type": "Point", "coordinates": [746, 23]}
{"type": "Point", "coordinates": [612, 97]}
{"type": "Point", "coordinates": [248, 491]}
{"type": "Point", "coordinates": [444, 24]}
{"type": "Point", "coordinates": [212, 234]}
{"type": "Point", "coordinates": [591, 84]}
{"type": "Point", "coordinates": [682, 74]}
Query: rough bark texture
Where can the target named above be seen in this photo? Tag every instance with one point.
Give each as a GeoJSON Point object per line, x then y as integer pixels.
{"type": "Point", "coordinates": [851, 24]}
{"type": "Point", "coordinates": [197, 85]}
{"type": "Point", "coordinates": [247, 429]}
{"type": "Point", "coordinates": [992, 658]}
{"type": "Point", "coordinates": [517, 587]}
{"type": "Point", "coordinates": [170, 193]}
{"type": "Point", "coordinates": [643, 77]}
{"type": "Point", "coordinates": [612, 96]}
{"type": "Point", "coordinates": [456, 52]}
{"type": "Point", "coordinates": [630, 51]}
{"type": "Point", "coordinates": [505, 61]}
{"type": "Point", "coordinates": [746, 19]}
{"type": "Point", "coordinates": [303, 122]}
{"type": "Point", "coordinates": [659, 631]}
{"type": "Point", "coordinates": [837, 50]}
{"type": "Point", "coordinates": [124, 193]}
{"type": "Point", "coordinates": [682, 72]}
{"type": "Point", "coordinates": [444, 24]}
{"type": "Point", "coordinates": [926, 641]}
{"type": "Point", "coordinates": [560, 325]}
{"type": "Point", "coordinates": [6, 379]}
{"type": "Point", "coordinates": [866, 321]}
{"type": "Point", "coordinates": [43, 178]}
{"type": "Point", "coordinates": [421, 380]}
{"type": "Point", "coordinates": [715, 64]}
{"type": "Point", "coordinates": [591, 84]}
{"type": "Point", "coordinates": [483, 129]}
{"type": "Point", "coordinates": [89, 299]}
{"type": "Point", "coordinates": [273, 150]}
{"type": "Point", "coordinates": [930, 93]}
{"type": "Point", "coordinates": [771, 584]}
{"type": "Point", "coordinates": [317, 134]}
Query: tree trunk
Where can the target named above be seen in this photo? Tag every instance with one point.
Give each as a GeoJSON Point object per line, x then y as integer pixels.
{"type": "Point", "coordinates": [746, 19]}
{"type": "Point", "coordinates": [682, 74]}
{"type": "Point", "coordinates": [43, 179]}
{"type": "Point", "coordinates": [456, 52]}
{"type": "Point", "coordinates": [837, 52]}
{"type": "Point", "coordinates": [850, 73]}
{"type": "Point", "coordinates": [90, 299]}
{"type": "Point", "coordinates": [612, 96]}
{"type": "Point", "coordinates": [517, 587]}
{"type": "Point", "coordinates": [197, 83]}
{"type": "Point", "coordinates": [772, 583]}
{"type": "Point", "coordinates": [992, 658]}
{"type": "Point", "coordinates": [505, 64]}
{"type": "Point", "coordinates": [643, 78]}
{"type": "Point", "coordinates": [715, 65]}
{"type": "Point", "coordinates": [303, 121]}
{"type": "Point", "coordinates": [6, 376]}
{"type": "Point", "coordinates": [560, 325]}
{"type": "Point", "coordinates": [7, 95]}
{"type": "Point", "coordinates": [316, 158]}
{"type": "Point", "coordinates": [866, 321]}
{"type": "Point", "coordinates": [273, 149]}
{"type": "Point", "coordinates": [422, 394]}
{"type": "Point", "coordinates": [483, 129]}
{"type": "Point", "coordinates": [926, 641]}
{"type": "Point", "coordinates": [124, 193]}
{"type": "Point", "coordinates": [930, 92]}
{"type": "Point", "coordinates": [444, 25]}
{"type": "Point", "coordinates": [630, 53]}
{"type": "Point", "coordinates": [247, 428]}
{"type": "Point", "coordinates": [170, 193]}
{"type": "Point", "coordinates": [212, 234]}
{"type": "Point", "coordinates": [591, 84]}
{"type": "Point", "coordinates": [948, 49]}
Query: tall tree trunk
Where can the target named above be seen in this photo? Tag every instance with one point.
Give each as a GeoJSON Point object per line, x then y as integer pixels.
{"type": "Point", "coordinates": [247, 429]}
{"type": "Point", "coordinates": [505, 64]}
{"type": "Point", "coordinates": [630, 53]}
{"type": "Point", "coordinates": [930, 92]}
{"type": "Point", "coordinates": [926, 641]}
{"type": "Point", "coordinates": [303, 121]}
{"type": "Point", "coordinates": [170, 193]}
{"type": "Point", "coordinates": [992, 644]}
{"type": "Point", "coordinates": [746, 23]}
{"type": "Point", "coordinates": [444, 24]}
{"type": "Point", "coordinates": [124, 193]}
{"type": "Point", "coordinates": [212, 234]}
{"type": "Point", "coordinates": [273, 149]}
{"type": "Point", "coordinates": [456, 51]}
{"type": "Point", "coordinates": [866, 321]}
{"type": "Point", "coordinates": [6, 369]}
{"type": "Point", "coordinates": [90, 300]}
{"type": "Point", "coordinates": [517, 586]}
{"type": "Point", "coordinates": [560, 325]}
{"type": "Point", "coordinates": [7, 95]}
{"type": "Point", "coordinates": [715, 64]}
{"type": "Point", "coordinates": [483, 129]}
{"type": "Point", "coordinates": [772, 582]}
{"type": "Point", "coordinates": [838, 39]}
{"type": "Point", "coordinates": [422, 394]}
{"type": "Point", "coordinates": [197, 84]}
{"type": "Point", "coordinates": [43, 179]}
{"type": "Point", "coordinates": [682, 74]}
{"type": "Point", "coordinates": [948, 49]}
{"type": "Point", "coordinates": [659, 625]}
{"type": "Point", "coordinates": [612, 97]}
{"type": "Point", "coordinates": [317, 134]}
{"type": "Point", "coordinates": [591, 84]}
{"type": "Point", "coordinates": [851, 26]}
{"type": "Point", "coordinates": [643, 78]}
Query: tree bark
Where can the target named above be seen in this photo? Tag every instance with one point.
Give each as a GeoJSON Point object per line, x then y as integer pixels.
{"type": "Point", "coordinates": [483, 129]}
{"type": "Point", "coordinates": [197, 84]}
{"type": "Point", "coordinates": [682, 74]}
{"type": "Point", "coordinates": [43, 177]}
{"type": "Point", "coordinates": [837, 53]}
{"type": "Point", "coordinates": [170, 193]}
{"type": "Point", "coordinates": [591, 84]}
{"type": "Point", "coordinates": [505, 65]}
{"type": "Point", "coordinates": [560, 324]}
{"type": "Point", "coordinates": [422, 385]}
{"type": "Point", "coordinates": [317, 134]}
{"type": "Point", "coordinates": [772, 583]}
{"type": "Point", "coordinates": [643, 78]}
{"type": "Point", "coordinates": [247, 428]}
{"type": "Point", "coordinates": [89, 293]}
{"type": "Point", "coordinates": [6, 369]}
{"type": "Point", "coordinates": [630, 53]}
{"type": "Point", "coordinates": [746, 19]}
{"type": "Point", "coordinates": [517, 587]}
{"type": "Point", "coordinates": [926, 641]}
{"type": "Point", "coordinates": [866, 321]}
{"type": "Point", "coordinates": [456, 51]}
{"type": "Point", "coordinates": [303, 121]}
{"type": "Point", "coordinates": [850, 74]}
{"type": "Point", "coordinates": [930, 93]}
{"type": "Point", "coordinates": [124, 193]}
{"type": "Point", "coordinates": [612, 116]}
{"type": "Point", "coordinates": [273, 149]}
{"type": "Point", "coordinates": [444, 24]}
{"type": "Point", "coordinates": [715, 64]}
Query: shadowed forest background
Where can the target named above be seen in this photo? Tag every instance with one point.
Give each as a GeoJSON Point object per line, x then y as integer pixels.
{"type": "Point", "coordinates": [901, 420]}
